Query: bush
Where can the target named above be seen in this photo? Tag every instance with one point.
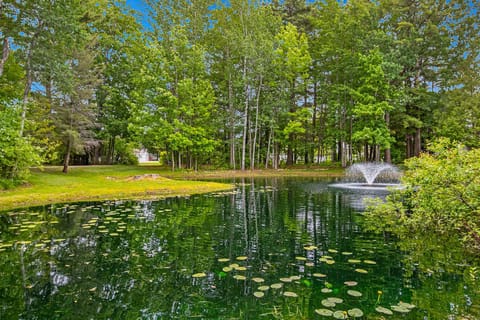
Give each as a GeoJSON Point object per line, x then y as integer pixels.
{"type": "Point", "coordinates": [441, 195]}
{"type": "Point", "coordinates": [17, 154]}
{"type": "Point", "coordinates": [124, 152]}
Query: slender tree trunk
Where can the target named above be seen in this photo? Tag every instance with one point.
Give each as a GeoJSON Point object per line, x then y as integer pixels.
{"type": "Point", "coordinates": [29, 78]}
{"type": "Point", "coordinates": [245, 117]}
{"type": "Point", "coordinates": [173, 160]}
{"type": "Point", "coordinates": [388, 151]}
{"type": "Point", "coordinates": [418, 142]}
{"type": "Point", "coordinates": [5, 53]}
{"type": "Point", "coordinates": [26, 93]}
{"type": "Point", "coordinates": [111, 150]}
{"type": "Point", "coordinates": [66, 159]}
{"type": "Point", "coordinates": [252, 165]}
{"type": "Point", "coordinates": [343, 154]}
{"type": "Point", "coordinates": [232, 123]}
{"type": "Point", "coordinates": [267, 157]}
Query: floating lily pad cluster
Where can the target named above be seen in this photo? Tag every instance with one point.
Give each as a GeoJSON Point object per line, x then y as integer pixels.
{"type": "Point", "coordinates": [331, 306]}
{"type": "Point", "coordinates": [28, 228]}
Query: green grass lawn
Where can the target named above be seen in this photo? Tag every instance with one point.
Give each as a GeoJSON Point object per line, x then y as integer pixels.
{"type": "Point", "coordinates": [84, 183]}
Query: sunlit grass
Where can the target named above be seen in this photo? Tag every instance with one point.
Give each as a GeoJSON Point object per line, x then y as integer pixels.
{"type": "Point", "coordinates": [84, 183]}
{"type": "Point", "coordinates": [100, 183]}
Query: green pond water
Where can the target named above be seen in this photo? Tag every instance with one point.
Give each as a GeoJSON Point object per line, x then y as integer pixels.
{"type": "Point", "coordinates": [270, 249]}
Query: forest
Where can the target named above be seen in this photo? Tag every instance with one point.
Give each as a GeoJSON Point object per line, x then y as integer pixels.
{"type": "Point", "coordinates": [238, 84]}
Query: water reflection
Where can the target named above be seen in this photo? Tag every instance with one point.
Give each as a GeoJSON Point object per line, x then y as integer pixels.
{"type": "Point", "coordinates": [130, 260]}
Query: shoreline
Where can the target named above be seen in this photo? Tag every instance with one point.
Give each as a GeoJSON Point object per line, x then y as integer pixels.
{"type": "Point", "coordinates": [101, 183]}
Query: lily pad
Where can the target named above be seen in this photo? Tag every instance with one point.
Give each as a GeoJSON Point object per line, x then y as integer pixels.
{"type": "Point", "coordinates": [361, 271]}
{"type": "Point", "coordinates": [347, 253]}
{"type": "Point", "coordinates": [286, 279]}
{"type": "Point", "coordinates": [264, 288]}
{"type": "Point", "coordinates": [384, 310]}
{"type": "Point", "coordinates": [354, 261]}
{"type": "Point", "coordinates": [227, 269]}
{"type": "Point", "coordinates": [326, 290]}
{"type": "Point", "coordinates": [259, 294]}
{"type": "Point", "coordinates": [400, 309]}
{"type": "Point", "coordinates": [309, 264]}
{"type": "Point", "coordinates": [335, 300]}
{"type": "Point", "coordinates": [406, 305]}
{"type": "Point", "coordinates": [350, 283]}
{"type": "Point", "coordinates": [295, 278]}
{"type": "Point", "coordinates": [324, 312]}
{"type": "Point", "coordinates": [330, 261]}
{"type": "Point", "coordinates": [332, 251]}
{"type": "Point", "coordinates": [241, 268]}
{"type": "Point", "coordinates": [354, 293]}
{"type": "Point", "coordinates": [234, 265]}
{"type": "Point", "coordinates": [355, 312]}
{"type": "Point", "coordinates": [258, 280]}
{"type": "Point", "coordinates": [223, 260]}
{"type": "Point", "coordinates": [301, 258]}
{"type": "Point", "coordinates": [276, 285]}
{"type": "Point", "coordinates": [199, 275]}
{"type": "Point", "coordinates": [327, 303]}
{"type": "Point", "coordinates": [340, 314]}
{"type": "Point", "coordinates": [319, 275]}
{"type": "Point", "coordinates": [369, 262]}
{"type": "Point", "coordinates": [310, 248]}
{"type": "Point", "coordinates": [242, 258]}
{"type": "Point", "coordinates": [290, 294]}
{"type": "Point", "coordinates": [239, 277]}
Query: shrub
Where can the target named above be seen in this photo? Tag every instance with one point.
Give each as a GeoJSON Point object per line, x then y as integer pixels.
{"type": "Point", "coordinates": [441, 195]}
{"type": "Point", "coordinates": [17, 154]}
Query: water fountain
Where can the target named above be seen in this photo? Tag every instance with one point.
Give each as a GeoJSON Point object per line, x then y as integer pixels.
{"type": "Point", "coordinates": [371, 176]}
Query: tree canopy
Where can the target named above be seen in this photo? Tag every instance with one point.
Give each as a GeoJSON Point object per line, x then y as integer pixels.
{"type": "Point", "coordinates": [239, 84]}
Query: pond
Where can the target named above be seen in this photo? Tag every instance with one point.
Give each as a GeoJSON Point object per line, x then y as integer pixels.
{"type": "Point", "coordinates": [270, 249]}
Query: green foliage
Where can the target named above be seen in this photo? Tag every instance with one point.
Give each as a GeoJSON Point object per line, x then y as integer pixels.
{"type": "Point", "coordinates": [124, 152]}
{"type": "Point", "coordinates": [441, 195]}
{"type": "Point", "coordinates": [225, 82]}
{"type": "Point", "coordinates": [17, 154]}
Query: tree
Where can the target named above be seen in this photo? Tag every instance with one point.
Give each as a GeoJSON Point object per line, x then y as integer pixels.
{"type": "Point", "coordinates": [75, 113]}
{"type": "Point", "coordinates": [371, 104]}
{"type": "Point", "coordinates": [119, 46]}
{"type": "Point", "coordinates": [431, 38]}
{"type": "Point", "coordinates": [293, 61]}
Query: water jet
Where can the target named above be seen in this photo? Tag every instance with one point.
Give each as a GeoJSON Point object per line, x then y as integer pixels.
{"type": "Point", "coordinates": [370, 176]}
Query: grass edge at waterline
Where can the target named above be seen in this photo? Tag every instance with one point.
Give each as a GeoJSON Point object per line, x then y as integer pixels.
{"type": "Point", "coordinates": [99, 183]}
{"type": "Point", "coordinates": [119, 182]}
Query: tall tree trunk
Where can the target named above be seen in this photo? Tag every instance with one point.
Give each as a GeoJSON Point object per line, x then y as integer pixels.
{"type": "Point", "coordinates": [245, 117]}
{"type": "Point", "coordinates": [252, 164]}
{"type": "Point", "coordinates": [232, 123]}
{"type": "Point", "coordinates": [26, 93]}
{"type": "Point", "coordinates": [267, 157]}
{"type": "Point", "coordinates": [291, 137]}
{"type": "Point", "coordinates": [418, 142]}
{"type": "Point", "coordinates": [66, 159]}
{"type": "Point", "coordinates": [343, 154]}
{"type": "Point", "coordinates": [388, 152]}
{"type": "Point", "coordinates": [111, 150]}
{"type": "Point", "coordinates": [5, 53]}
{"type": "Point", "coordinates": [29, 77]}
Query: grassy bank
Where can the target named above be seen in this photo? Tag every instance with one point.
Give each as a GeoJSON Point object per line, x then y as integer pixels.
{"type": "Point", "coordinates": [84, 183]}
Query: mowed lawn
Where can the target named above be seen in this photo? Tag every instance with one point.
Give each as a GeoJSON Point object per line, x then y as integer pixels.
{"type": "Point", "coordinates": [83, 183]}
